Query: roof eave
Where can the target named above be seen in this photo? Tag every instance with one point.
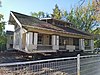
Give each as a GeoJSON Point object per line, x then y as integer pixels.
{"type": "Point", "coordinates": [59, 32]}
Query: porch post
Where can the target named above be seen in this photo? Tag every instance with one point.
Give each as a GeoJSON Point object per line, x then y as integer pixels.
{"type": "Point", "coordinates": [14, 40]}
{"type": "Point", "coordinates": [91, 44]}
{"type": "Point", "coordinates": [55, 42]}
{"type": "Point", "coordinates": [29, 37]}
{"type": "Point", "coordinates": [35, 40]}
{"type": "Point", "coordinates": [81, 44]}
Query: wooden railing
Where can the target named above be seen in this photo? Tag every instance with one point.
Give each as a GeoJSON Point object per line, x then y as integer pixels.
{"type": "Point", "coordinates": [87, 47]}
{"type": "Point", "coordinates": [62, 47]}
{"type": "Point", "coordinates": [44, 47]}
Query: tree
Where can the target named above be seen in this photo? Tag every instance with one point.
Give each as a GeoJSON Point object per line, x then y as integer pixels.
{"type": "Point", "coordinates": [34, 14]}
{"type": "Point", "coordinates": [2, 33]}
{"type": "Point", "coordinates": [96, 4]}
{"type": "Point", "coordinates": [97, 37]}
{"type": "Point", "coordinates": [39, 14]}
{"type": "Point", "coordinates": [57, 14]}
{"type": "Point", "coordinates": [83, 17]}
{"type": "Point", "coordinates": [97, 43]}
{"type": "Point", "coordinates": [96, 31]}
{"type": "Point", "coordinates": [2, 27]}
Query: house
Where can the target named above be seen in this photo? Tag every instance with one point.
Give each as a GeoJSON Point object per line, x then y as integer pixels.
{"type": "Point", "coordinates": [9, 44]}
{"type": "Point", "coordinates": [33, 35]}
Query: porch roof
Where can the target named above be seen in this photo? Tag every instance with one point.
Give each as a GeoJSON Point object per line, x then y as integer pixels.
{"type": "Point", "coordinates": [26, 21]}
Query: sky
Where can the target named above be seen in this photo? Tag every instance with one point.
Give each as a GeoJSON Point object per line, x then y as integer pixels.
{"type": "Point", "coordinates": [28, 6]}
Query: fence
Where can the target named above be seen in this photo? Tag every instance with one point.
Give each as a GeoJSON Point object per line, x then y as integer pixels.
{"type": "Point", "coordinates": [90, 65]}
{"type": "Point", "coordinates": [84, 65]}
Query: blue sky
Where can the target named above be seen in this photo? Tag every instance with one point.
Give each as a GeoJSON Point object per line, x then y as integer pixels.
{"type": "Point", "coordinates": [28, 6]}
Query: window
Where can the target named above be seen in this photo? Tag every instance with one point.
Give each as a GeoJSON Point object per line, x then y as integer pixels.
{"type": "Point", "coordinates": [40, 38]}
{"type": "Point", "coordinates": [61, 41]}
{"type": "Point", "coordinates": [64, 41]}
{"type": "Point", "coordinates": [50, 39]}
{"type": "Point", "coordinates": [76, 41]}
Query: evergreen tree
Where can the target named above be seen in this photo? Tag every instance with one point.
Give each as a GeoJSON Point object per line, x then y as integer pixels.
{"type": "Point", "coordinates": [83, 17]}
{"type": "Point", "coordinates": [39, 14]}
{"type": "Point", "coordinates": [57, 12]}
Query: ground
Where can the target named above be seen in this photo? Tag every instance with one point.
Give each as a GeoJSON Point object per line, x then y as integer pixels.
{"type": "Point", "coordinates": [17, 56]}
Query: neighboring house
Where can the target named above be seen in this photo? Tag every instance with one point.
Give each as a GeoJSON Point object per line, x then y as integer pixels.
{"type": "Point", "coordinates": [10, 35]}
{"type": "Point", "coordinates": [47, 35]}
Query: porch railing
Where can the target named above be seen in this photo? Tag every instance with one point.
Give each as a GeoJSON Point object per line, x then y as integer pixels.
{"type": "Point", "coordinates": [67, 47]}
{"type": "Point", "coordinates": [87, 47]}
{"type": "Point", "coordinates": [62, 47]}
{"type": "Point", "coordinates": [44, 47]}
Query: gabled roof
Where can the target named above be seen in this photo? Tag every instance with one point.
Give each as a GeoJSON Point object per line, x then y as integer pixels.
{"type": "Point", "coordinates": [32, 21]}
{"type": "Point", "coordinates": [26, 20]}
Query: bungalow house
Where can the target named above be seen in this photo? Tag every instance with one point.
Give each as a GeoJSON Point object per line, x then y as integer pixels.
{"type": "Point", "coordinates": [35, 35]}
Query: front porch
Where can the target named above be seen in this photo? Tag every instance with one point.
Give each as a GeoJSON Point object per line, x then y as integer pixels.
{"type": "Point", "coordinates": [39, 42]}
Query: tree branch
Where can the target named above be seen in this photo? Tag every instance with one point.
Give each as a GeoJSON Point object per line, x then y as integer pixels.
{"type": "Point", "coordinates": [82, 1]}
